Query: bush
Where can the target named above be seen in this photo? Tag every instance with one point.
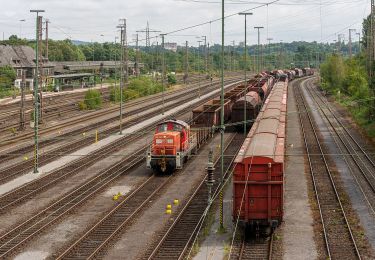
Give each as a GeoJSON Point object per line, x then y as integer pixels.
{"type": "Point", "coordinates": [172, 79]}
{"type": "Point", "coordinates": [138, 87]}
{"type": "Point", "coordinates": [82, 105]}
{"type": "Point", "coordinates": [7, 78]}
{"type": "Point", "coordinates": [130, 94]}
{"type": "Point", "coordinates": [93, 99]}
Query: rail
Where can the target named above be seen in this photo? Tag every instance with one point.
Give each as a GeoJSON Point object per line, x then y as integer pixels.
{"type": "Point", "coordinates": [338, 237]}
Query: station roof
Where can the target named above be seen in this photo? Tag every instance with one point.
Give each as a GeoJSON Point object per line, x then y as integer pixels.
{"type": "Point", "coordinates": [73, 75]}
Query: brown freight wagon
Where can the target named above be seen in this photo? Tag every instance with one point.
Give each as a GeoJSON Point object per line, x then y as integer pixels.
{"type": "Point", "coordinates": [253, 105]}
{"type": "Point", "coordinates": [209, 114]}
{"type": "Point", "coordinates": [258, 179]}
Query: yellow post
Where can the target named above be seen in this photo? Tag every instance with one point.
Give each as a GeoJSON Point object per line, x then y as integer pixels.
{"type": "Point", "coordinates": [96, 136]}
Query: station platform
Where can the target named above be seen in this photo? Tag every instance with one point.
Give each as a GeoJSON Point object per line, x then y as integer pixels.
{"type": "Point", "coordinates": [10, 100]}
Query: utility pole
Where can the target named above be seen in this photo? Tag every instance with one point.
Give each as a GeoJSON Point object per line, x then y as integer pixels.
{"type": "Point", "coordinates": [186, 62]}
{"type": "Point", "coordinates": [22, 110]}
{"type": "Point", "coordinates": [46, 55]}
{"type": "Point", "coordinates": [209, 65]}
{"type": "Point", "coordinates": [199, 70]}
{"type": "Point", "coordinates": [350, 42]}
{"type": "Point", "coordinates": [281, 58]}
{"type": "Point", "coordinates": [147, 31]}
{"type": "Point", "coordinates": [233, 61]}
{"type": "Point", "coordinates": [245, 90]}
{"type": "Point", "coordinates": [123, 65]}
{"type": "Point", "coordinates": [359, 43]}
{"type": "Point", "coordinates": [341, 40]}
{"type": "Point", "coordinates": [41, 74]}
{"type": "Point", "coordinates": [36, 85]}
{"type": "Point", "coordinates": [222, 127]}
{"type": "Point", "coordinates": [258, 59]}
{"type": "Point", "coordinates": [269, 51]}
{"type": "Point", "coordinates": [372, 55]}
{"type": "Point", "coordinates": [205, 53]}
{"type": "Point", "coordinates": [163, 68]}
{"type": "Point", "coordinates": [136, 65]}
{"type": "Point", "coordinates": [372, 33]}
{"type": "Point", "coordinates": [115, 64]}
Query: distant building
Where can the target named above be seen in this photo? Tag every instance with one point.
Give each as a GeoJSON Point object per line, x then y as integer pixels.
{"type": "Point", "coordinates": [171, 46]}
{"type": "Point", "coordinates": [22, 60]}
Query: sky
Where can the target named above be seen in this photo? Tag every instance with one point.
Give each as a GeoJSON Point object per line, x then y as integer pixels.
{"type": "Point", "coordinates": [96, 20]}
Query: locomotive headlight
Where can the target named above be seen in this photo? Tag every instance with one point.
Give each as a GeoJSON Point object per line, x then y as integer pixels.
{"type": "Point", "coordinates": [170, 141]}
{"type": "Point", "coordinates": [159, 141]}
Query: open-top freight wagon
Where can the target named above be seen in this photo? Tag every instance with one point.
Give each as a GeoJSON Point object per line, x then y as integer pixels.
{"type": "Point", "coordinates": [259, 90]}
{"type": "Point", "coordinates": [258, 179]}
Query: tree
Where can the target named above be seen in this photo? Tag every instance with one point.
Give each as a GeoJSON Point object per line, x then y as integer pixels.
{"type": "Point", "coordinates": [7, 77]}
{"type": "Point", "coordinates": [333, 73]}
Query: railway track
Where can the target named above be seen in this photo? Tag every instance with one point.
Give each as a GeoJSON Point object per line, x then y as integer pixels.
{"type": "Point", "coordinates": [97, 238]}
{"type": "Point", "coordinates": [177, 240]}
{"type": "Point", "coordinates": [29, 136]}
{"type": "Point", "coordinates": [27, 230]}
{"type": "Point", "coordinates": [248, 246]}
{"type": "Point", "coordinates": [253, 249]}
{"type": "Point", "coordinates": [359, 163]}
{"type": "Point", "coordinates": [53, 107]}
{"type": "Point", "coordinates": [27, 191]}
{"type": "Point", "coordinates": [16, 170]}
{"type": "Point", "coordinates": [338, 237]}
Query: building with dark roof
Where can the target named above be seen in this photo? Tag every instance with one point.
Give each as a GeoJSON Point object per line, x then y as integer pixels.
{"type": "Point", "coordinates": [22, 60]}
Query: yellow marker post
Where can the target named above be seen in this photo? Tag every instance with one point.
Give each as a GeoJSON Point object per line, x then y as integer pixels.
{"type": "Point", "coordinates": [168, 211]}
{"type": "Point", "coordinates": [176, 202]}
{"type": "Point", "coordinates": [169, 206]}
{"type": "Point", "coordinates": [84, 134]}
{"type": "Point", "coordinates": [26, 158]}
{"type": "Point", "coordinates": [96, 136]}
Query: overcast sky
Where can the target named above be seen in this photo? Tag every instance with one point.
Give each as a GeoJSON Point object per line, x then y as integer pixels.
{"type": "Point", "coordinates": [86, 20]}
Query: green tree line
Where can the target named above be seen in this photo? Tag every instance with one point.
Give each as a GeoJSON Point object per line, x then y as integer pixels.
{"type": "Point", "coordinates": [348, 79]}
{"type": "Point", "coordinates": [275, 55]}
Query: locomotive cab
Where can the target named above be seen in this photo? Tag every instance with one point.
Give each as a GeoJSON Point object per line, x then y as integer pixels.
{"type": "Point", "coordinates": [171, 145]}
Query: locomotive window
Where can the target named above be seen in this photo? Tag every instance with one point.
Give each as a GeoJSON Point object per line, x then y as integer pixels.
{"type": "Point", "coordinates": [177, 128]}
{"type": "Point", "coordinates": [164, 128]}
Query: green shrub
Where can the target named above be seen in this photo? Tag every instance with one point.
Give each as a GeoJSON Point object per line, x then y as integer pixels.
{"type": "Point", "coordinates": [93, 99]}
{"type": "Point", "coordinates": [172, 79]}
{"type": "Point", "coordinates": [114, 94]}
{"type": "Point", "coordinates": [82, 105]}
{"type": "Point", "coordinates": [32, 115]}
{"type": "Point", "coordinates": [130, 94]}
{"type": "Point", "coordinates": [138, 87]}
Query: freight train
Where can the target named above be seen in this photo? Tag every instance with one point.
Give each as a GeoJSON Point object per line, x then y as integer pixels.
{"type": "Point", "coordinates": [175, 141]}
{"type": "Point", "coordinates": [258, 177]}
